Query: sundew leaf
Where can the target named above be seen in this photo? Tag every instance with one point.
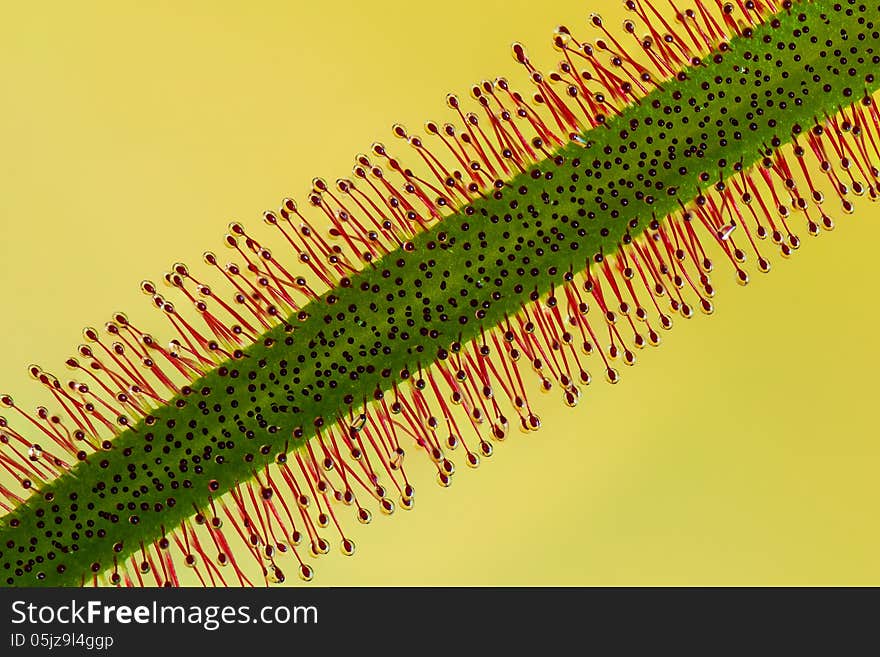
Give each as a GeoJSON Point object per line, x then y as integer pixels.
{"type": "Point", "coordinates": [524, 261]}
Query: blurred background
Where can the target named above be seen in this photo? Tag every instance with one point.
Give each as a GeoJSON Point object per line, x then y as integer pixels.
{"type": "Point", "coordinates": [739, 452]}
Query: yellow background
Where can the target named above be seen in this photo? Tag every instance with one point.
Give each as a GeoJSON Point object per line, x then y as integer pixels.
{"type": "Point", "coordinates": [743, 451]}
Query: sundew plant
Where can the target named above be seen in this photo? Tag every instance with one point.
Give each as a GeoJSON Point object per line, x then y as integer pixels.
{"type": "Point", "coordinates": [536, 242]}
